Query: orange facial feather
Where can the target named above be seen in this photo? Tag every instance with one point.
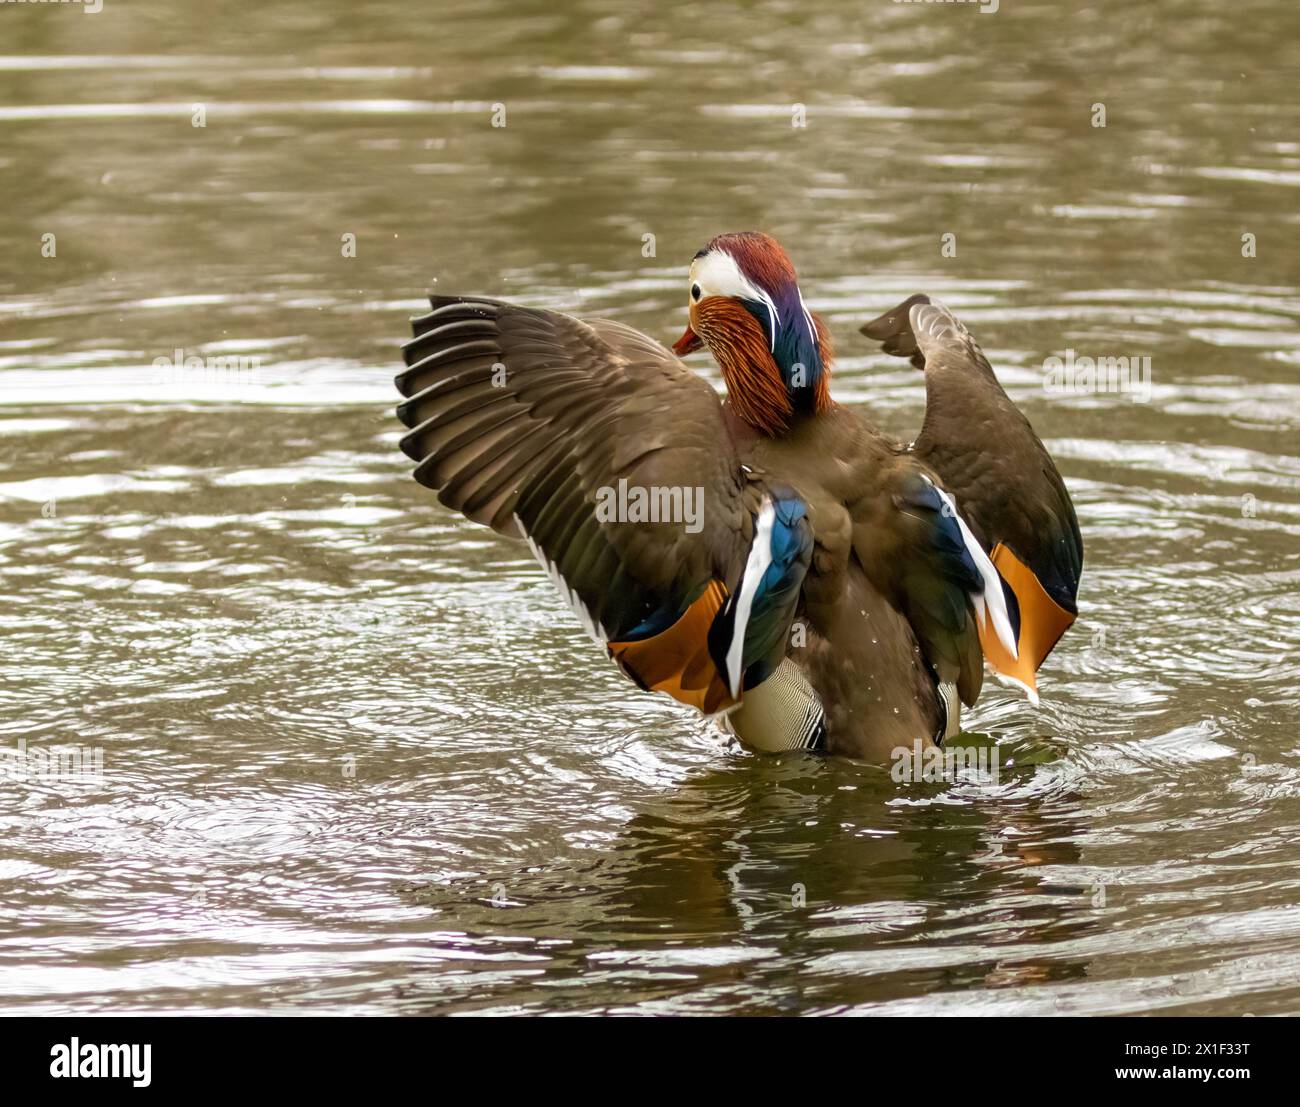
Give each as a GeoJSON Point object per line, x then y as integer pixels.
{"type": "Point", "coordinates": [826, 351]}
{"type": "Point", "coordinates": [738, 343]}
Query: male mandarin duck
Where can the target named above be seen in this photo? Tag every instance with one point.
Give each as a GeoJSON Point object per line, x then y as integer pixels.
{"type": "Point", "coordinates": [833, 590]}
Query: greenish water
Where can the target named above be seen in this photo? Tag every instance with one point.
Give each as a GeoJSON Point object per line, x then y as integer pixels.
{"type": "Point", "coordinates": [357, 757]}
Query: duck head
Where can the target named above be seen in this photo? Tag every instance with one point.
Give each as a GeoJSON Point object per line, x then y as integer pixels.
{"type": "Point", "coordinates": [745, 305]}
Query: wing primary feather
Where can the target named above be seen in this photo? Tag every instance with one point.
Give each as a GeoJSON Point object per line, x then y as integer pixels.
{"type": "Point", "coordinates": [589, 624]}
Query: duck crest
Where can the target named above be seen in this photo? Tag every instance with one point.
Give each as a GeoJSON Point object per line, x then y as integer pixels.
{"type": "Point", "coordinates": [775, 355]}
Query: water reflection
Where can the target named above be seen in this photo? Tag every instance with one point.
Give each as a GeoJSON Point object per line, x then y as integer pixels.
{"type": "Point", "coordinates": [748, 868]}
{"type": "Point", "coordinates": [356, 756]}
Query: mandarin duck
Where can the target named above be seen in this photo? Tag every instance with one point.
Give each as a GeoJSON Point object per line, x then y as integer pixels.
{"type": "Point", "coordinates": [771, 558]}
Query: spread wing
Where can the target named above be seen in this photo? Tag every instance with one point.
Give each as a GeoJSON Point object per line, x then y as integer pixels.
{"type": "Point", "coordinates": [599, 448]}
{"type": "Point", "coordinates": [1003, 481]}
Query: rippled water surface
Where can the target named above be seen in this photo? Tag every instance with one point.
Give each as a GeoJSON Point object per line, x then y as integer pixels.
{"type": "Point", "coordinates": [356, 755]}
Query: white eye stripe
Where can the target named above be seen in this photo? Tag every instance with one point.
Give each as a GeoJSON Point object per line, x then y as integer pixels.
{"type": "Point", "coordinates": [717, 274]}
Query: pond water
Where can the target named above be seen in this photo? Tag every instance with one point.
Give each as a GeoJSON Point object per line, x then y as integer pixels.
{"type": "Point", "coordinates": [356, 755]}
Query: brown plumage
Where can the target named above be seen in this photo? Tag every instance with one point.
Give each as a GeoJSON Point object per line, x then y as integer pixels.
{"type": "Point", "coordinates": [754, 385]}
{"type": "Point", "coordinates": [821, 544]}
{"type": "Point", "coordinates": [1002, 476]}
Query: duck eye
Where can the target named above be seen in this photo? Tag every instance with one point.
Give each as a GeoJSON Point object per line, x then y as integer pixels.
{"type": "Point", "coordinates": [695, 291]}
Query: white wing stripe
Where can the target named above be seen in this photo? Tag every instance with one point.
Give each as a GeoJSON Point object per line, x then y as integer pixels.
{"type": "Point", "coordinates": [992, 602]}
{"type": "Point", "coordinates": [760, 557]}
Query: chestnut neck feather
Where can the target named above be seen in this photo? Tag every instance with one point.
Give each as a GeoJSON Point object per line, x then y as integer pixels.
{"type": "Point", "coordinates": [755, 385]}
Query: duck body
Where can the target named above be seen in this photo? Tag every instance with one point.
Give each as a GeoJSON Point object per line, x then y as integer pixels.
{"type": "Point", "coordinates": [858, 650]}
{"type": "Point", "coordinates": [772, 560]}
